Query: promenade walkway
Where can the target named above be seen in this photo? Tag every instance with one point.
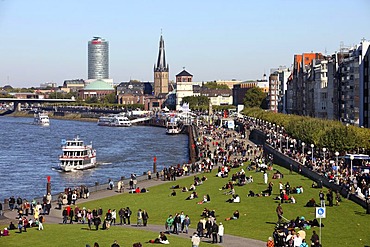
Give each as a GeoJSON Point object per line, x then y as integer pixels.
{"type": "Point", "coordinates": [55, 216]}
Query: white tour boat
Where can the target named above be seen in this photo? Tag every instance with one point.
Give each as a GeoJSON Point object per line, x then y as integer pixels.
{"type": "Point", "coordinates": [41, 118]}
{"type": "Point", "coordinates": [173, 128]}
{"type": "Point", "coordinates": [115, 120]}
{"type": "Point", "coordinates": [106, 120]}
{"type": "Point", "coordinates": [121, 121]}
{"type": "Point", "coordinates": [76, 155]}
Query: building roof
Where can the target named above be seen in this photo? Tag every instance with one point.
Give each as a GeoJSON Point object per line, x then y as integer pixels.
{"type": "Point", "coordinates": [75, 81]}
{"type": "Point", "coordinates": [99, 85]}
{"type": "Point", "coordinates": [184, 73]}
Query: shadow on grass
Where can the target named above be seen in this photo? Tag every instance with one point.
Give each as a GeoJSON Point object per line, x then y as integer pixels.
{"type": "Point", "coordinates": [270, 223]}
{"type": "Point", "coordinates": [360, 213]}
{"type": "Point", "coordinates": [87, 229]}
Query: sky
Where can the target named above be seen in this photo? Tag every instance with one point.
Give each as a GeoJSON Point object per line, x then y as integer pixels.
{"type": "Point", "coordinates": [46, 40]}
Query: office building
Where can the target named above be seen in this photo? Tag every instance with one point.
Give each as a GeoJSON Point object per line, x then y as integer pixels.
{"type": "Point", "coordinates": [98, 58]}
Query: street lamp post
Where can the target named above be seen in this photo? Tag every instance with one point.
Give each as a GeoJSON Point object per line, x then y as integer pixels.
{"type": "Point", "coordinates": [303, 144]}
{"type": "Point", "coordinates": [280, 141]}
{"type": "Point", "coordinates": [324, 150]}
{"type": "Point", "coordinates": [351, 158]}
{"type": "Point", "coordinates": [287, 142]}
{"type": "Point", "coordinates": [312, 146]}
{"type": "Point", "coordinates": [336, 158]}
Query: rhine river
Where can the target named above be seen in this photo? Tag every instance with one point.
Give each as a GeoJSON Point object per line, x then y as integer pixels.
{"type": "Point", "coordinates": [29, 152]}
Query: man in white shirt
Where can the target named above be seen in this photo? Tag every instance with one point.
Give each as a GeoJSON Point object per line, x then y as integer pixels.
{"type": "Point", "coordinates": [195, 240]}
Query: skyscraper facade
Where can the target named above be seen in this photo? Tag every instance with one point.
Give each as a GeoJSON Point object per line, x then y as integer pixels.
{"type": "Point", "coordinates": [161, 71]}
{"type": "Point", "coordinates": [98, 59]}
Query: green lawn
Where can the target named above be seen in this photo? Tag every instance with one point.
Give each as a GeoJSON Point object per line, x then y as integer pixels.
{"type": "Point", "coordinates": [77, 235]}
{"type": "Point", "coordinates": [346, 224]}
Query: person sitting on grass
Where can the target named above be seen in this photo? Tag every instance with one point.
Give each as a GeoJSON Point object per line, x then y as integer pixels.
{"type": "Point", "coordinates": [173, 193]}
{"type": "Point", "coordinates": [235, 199]}
{"type": "Point", "coordinates": [12, 226]}
{"type": "Point", "coordinates": [227, 186]}
{"type": "Point", "coordinates": [144, 190]}
{"type": "Point", "coordinates": [234, 217]}
{"type": "Point", "coordinates": [251, 194]}
{"type": "Point", "coordinates": [311, 203]}
{"type": "Point", "coordinates": [230, 192]}
{"type": "Point", "coordinates": [5, 232]}
{"type": "Point", "coordinates": [206, 198]}
{"type": "Point", "coordinates": [162, 239]}
{"type": "Point", "coordinates": [184, 189]}
{"type": "Point", "coordinates": [192, 187]}
{"type": "Point", "coordinates": [192, 196]}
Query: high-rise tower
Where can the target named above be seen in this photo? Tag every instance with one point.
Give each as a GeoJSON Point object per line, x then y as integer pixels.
{"type": "Point", "coordinates": [98, 59]}
{"type": "Point", "coordinates": [161, 71]}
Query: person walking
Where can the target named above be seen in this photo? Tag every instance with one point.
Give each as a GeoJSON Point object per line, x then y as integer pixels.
{"type": "Point", "coordinates": [139, 218]}
{"type": "Point", "coordinates": [214, 233]}
{"type": "Point", "coordinates": [195, 240]}
{"type": "Point", "coordinates": [145, 217]}
{"type": "Point", "coordinates": [221, 230]}
{"type": "Point", "coordinates": [279, 212]}
{"type": "Point", "coordinates": [41, 220]}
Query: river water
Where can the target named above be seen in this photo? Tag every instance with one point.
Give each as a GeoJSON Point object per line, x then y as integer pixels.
{"type": "Point", "coordinates": [29, 152]}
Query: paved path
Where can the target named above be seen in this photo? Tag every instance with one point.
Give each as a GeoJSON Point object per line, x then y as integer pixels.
{"type": "Point", "coordinates": [55, 217]}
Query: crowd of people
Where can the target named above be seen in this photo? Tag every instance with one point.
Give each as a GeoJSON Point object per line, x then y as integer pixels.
{"type": "Point", "coordinates": [228, 166]}
{"type": "Point", "coordinates": [325, 163]}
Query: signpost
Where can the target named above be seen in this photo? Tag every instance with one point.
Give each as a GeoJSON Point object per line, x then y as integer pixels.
{"type": "Point", "coordinates": [320, 214]}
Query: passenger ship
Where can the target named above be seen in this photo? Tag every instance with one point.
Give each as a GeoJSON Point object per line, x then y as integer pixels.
{"type": "Point", "coordinates": [76, 155]}
{"type": "Point", "coordinates": [173, 128]}
{"type": "Point", "coordinates": [115, 120]}
{"type": "Point", "coordinates": [41, 118]}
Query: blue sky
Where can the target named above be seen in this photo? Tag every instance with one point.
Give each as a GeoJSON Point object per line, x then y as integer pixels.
{"type": "Point", "coordinates": [46, 40]}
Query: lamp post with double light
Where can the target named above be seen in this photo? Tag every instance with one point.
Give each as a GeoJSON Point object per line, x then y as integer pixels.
{"type": "Point", "coordinates": [280, 141]}
{"type": "Point", "coordinates": [287, 142]}
{"type": "Point", "coordinates": [336, 159]}
{"type": "Point", "coordinates": [312, 146]}
{"type": "Point", "coordinates": [324, 150]}
{"type": "Point", "coordinates": [351, 157]}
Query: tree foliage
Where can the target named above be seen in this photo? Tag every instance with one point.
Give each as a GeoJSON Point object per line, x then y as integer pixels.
{"type": "Point", "coordinates": [197, 102]}
{"type": "Point", "coordinates": [322, 133]}
{"type": "Point", "coordinates": [254, 97]}
{"type": "Point", "coordinates": [214, 85]}
{"type": "Point", "coordinates": [110, 98]}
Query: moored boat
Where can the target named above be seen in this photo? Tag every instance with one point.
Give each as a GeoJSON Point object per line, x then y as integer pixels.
{"type": "Point", "coordinates": [105, 120]}
{"type": "Point", "coordinates": [173, 128]}
{"type": "Point", "coordinates": [114, 120]}
{"type": "Point", "coordinates": [121, 121]}
{"type": "Point", "coordinates": [76, 155]}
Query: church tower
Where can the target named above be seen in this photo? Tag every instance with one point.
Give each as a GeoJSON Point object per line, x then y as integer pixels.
{"type": "Point", "coordinates": [161, 71]}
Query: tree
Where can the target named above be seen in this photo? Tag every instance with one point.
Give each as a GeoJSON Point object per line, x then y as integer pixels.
{"type": "Point", "coordinates": [254, 97]}
{"type": "Point", "coordinates": [93, 99]}
{"type": "Point", "coordinates": [214, 85]}
{"type": "Point", "coordinates": [196, 102]}
{"type": "Point", "coordinates": [109, 98]}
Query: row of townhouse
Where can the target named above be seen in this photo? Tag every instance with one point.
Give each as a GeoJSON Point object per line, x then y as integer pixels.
{"type": "Point", "coordinates": [335, 87]}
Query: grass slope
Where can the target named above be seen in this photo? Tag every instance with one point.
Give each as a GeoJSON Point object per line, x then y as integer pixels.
{"type": "Point", "coordinates": [345, 225]}
{"type": "Point", "coordinates": [77, 235]}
